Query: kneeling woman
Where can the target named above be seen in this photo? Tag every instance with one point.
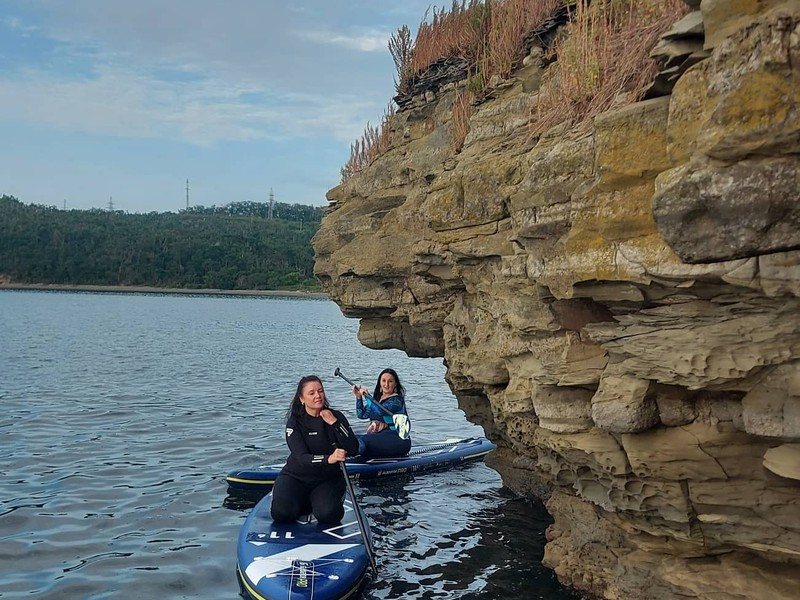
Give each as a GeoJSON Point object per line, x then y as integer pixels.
{"type": "Point", "coordinates": [318, 437]}
{"type": "Point", "coordinates": [382, 437]}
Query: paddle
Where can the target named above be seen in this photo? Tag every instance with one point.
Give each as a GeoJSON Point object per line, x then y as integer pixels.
{"type": "Point", "coordinates": [360, 519]}
{"type": "Point", "coordinates": [401, 422]}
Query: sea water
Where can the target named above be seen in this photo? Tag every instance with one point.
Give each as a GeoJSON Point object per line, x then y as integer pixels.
{"type": "Point", "coordinates": [121, 415]}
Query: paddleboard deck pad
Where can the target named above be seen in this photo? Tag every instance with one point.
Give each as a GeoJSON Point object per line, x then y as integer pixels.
{"type": "Point", "coordinates": [301, 560]}
{"type": "Point", "coordinates": [421, 458]}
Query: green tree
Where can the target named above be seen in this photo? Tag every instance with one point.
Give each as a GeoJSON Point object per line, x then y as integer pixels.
{"type": "Point", "coordinates": [231, 247]}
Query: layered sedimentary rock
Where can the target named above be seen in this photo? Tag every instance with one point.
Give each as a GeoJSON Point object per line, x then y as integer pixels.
{"type": "Point", "coordinates": [620, 309]}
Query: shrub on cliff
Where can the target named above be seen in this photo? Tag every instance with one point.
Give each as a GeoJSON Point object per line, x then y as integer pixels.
{"type": "Point", "coordinates": [601, 59]}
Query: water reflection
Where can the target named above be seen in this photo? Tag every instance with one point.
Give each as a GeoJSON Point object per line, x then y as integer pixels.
{"type": "Point", "coordinates": [438, 538]}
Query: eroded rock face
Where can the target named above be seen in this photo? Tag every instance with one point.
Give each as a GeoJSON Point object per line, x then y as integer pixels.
{"type": "Point", "coordinates": [619, 310]}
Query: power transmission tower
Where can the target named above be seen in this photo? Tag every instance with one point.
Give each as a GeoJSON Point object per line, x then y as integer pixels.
{"type": "Point", "coordinates": [187, 194]}
{"type": "Point", "coordinates": [111, 203]}
{"type": "Point", "coordinates": [271, 203]}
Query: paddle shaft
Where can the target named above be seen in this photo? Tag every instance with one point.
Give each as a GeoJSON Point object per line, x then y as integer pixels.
{"type": "Point", "coordinates": [360, 520]}
{"type": "Point", "coordinates": [362, 526]}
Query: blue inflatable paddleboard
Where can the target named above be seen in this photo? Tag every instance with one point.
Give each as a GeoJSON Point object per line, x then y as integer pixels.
{"type": "Point", "coordinates": [300, 560]}
{"type": "Point", "coordinates": [421, 458]}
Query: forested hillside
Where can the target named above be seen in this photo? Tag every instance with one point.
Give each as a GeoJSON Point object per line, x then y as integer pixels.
{"type": "Point", "coordinates": [231, 247]}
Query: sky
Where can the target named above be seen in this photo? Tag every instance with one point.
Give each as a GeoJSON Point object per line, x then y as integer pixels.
{"type": "Point", "coordinates": [118, 102]}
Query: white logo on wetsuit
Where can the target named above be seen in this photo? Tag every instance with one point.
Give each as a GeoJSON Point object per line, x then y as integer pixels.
{"type": "Point", "coordinates": [289, 431]}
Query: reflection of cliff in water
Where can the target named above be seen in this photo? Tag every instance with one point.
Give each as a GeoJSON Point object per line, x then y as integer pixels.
{"type": "Point", "coordinates": [457, 535]}
{"type": "Point", "coordinates": [508, 551]}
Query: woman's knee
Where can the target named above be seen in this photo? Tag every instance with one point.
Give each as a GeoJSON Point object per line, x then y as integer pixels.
{"type": "Point", "coordinates": [386, 445]}
{"type": "Point", "coordinates": [283, 513]}
{"type": "Point", "coordinates": [327, 501]}
{"type": "Point", "coordinates": [285, 510]}
{"type": "Point", "coordinates": [329, 514]}
{"type": "Point", "coordinates": [289, 500]}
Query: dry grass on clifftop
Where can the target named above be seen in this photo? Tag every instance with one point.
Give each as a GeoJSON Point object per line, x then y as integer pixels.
{"type": "Point", "coordinates": [603, 59]}
{"type": "Point", "coordinates": [488, 35]}
{"type": "Point", "coordinates": [373, 143]}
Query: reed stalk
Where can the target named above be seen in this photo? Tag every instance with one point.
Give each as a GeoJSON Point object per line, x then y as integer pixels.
{"type": "Point", "coordinates": [463, 109]}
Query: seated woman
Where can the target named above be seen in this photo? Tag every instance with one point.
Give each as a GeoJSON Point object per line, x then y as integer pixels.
{"type": "Point", "coordinates": [318, 437]}
{"type": "Point", "coordinates": [382, 437]}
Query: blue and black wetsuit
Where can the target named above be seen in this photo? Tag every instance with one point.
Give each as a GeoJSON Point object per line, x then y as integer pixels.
{"type": "Point", "coordinates": [385, 442]}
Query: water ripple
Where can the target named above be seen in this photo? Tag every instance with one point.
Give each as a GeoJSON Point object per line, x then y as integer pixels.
{"type": "Point", "coordinates": [122, 414]}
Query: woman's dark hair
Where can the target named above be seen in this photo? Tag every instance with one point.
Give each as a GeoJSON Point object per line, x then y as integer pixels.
{"type": "Point", "coordinates": [399, 389]}
{"type": "Point", "coordinates": [296, 407]}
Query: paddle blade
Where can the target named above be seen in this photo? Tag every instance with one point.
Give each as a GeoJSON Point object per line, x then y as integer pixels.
{"type": "Point", "coordinates": [403, 426]}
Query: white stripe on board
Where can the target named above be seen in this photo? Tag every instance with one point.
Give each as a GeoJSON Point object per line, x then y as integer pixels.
{"type": "Point", "coordinates": [265, 566]}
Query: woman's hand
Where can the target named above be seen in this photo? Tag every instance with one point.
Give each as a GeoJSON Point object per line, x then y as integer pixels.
{"type": "Point", "coordinates": [327, 416]}
{"type": "Point", "coordinates": [338, 456]}
{"type": "Point", "coordinates": [376, 426]}
{"type": "Point", "coordinates": [359, 392]}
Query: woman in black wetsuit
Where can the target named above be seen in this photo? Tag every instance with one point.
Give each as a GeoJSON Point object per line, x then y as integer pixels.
{"type": "Point", "coordinates": [382, 438]}
{"type": "Point", "coordinates": [318, 437]}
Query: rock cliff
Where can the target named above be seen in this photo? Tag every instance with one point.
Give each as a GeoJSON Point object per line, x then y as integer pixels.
{"type": "Point", "coordinates": [619, 309]}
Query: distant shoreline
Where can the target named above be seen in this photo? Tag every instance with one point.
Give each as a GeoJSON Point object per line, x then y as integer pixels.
{"type": "Point", "coordinates": [142, 289]}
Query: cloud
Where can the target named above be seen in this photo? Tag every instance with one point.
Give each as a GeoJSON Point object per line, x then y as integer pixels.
{"type": "Point", "coordinates": [373, 41]}
{"type": "Point", "coordinates": [17, 25]}
{"type": "Point", "coordinates": [239, 96]}
{"type": "Point", "coordinates": [201, 77]}
{"type": "Point", "coordinates": [205, 111]}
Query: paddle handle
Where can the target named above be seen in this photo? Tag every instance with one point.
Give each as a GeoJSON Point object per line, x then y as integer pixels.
{"type": "Point", "coordinates": [338, 373]}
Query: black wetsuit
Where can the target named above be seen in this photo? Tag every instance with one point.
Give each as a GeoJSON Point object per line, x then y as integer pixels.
{"type": "Point", "coordinates": [308, 483]}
